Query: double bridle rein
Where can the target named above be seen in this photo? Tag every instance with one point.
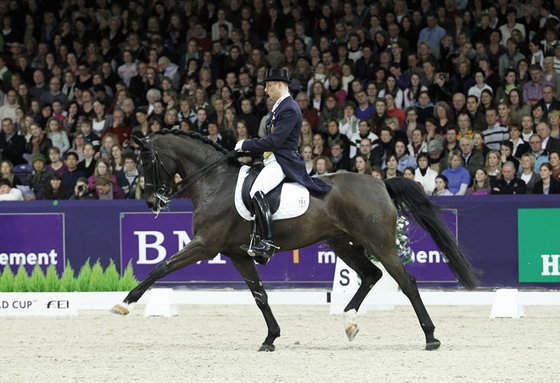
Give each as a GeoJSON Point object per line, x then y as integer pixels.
{"type": "Point", "coordinates": [165, 192]}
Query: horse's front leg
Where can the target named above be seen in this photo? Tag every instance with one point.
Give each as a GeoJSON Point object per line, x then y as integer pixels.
{"type": "Point", "coordinates": [248, 270]}
{"type": "Point", "coordinates": [197, 250]}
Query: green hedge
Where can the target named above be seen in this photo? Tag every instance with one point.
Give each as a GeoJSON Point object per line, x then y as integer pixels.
{"type": "Point", "coordinates": [90, 278]}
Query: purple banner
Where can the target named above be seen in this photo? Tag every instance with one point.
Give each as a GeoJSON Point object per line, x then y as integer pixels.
{"type": "Point", "coordinates": [428, 264]}
{"type": "Point", "coordinates": [32, 239]}
{"type": "Point", "coordinates": [146, 241]}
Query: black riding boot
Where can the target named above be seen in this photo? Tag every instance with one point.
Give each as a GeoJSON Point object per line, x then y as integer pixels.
{"type": "Point", "coordinates": [264, 246]}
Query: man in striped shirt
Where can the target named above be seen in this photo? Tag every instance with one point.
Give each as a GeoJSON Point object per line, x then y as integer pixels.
{"type": "Point", "coordinates": [495, 133]}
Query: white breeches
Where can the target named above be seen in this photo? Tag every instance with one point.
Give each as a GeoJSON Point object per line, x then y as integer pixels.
{"type": "Point", "coordinates": [269, 177]}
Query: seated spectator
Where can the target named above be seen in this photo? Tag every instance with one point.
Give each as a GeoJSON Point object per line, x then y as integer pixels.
{"type": "Point", "coordinates": [547, 184]}
{"type": "Point", "coordinates": [82, 191]}
{"type": "Point", "coordinates": [458, 178]}
{"type": "Point", "coordinates": [493, 165]}
{"type": "Point", "coordinates": [391, 167]}
{"type": "Point", "coordinates": [128, 178]}
{"type": "Point", "coordinates": [404, 158]}
{"type": "Point", "coordinates": [7, 172]}
{"type": "Point", "coordinates": [472, 159]}
{"type": "Point", "coordinates": [139, 190]}
{"type": "Point", "coordinates": [9, 193]}
{"type": "Point", "coordinates": [417, 143]}
{"type": "Point", "coordinates": [481, 184]}
{"type": "Point", "coordinates": [424, 175]}
{"type": "Point", "coordinates": [320, 148]}
{"type": "Point", "coordinates": [338, 158]}
{"type": "Point", "coordinates": [12, 145]}
{"type": "Point", "coordinates": [56, 165]}
{"type": "Point", "coordinates": [53, 190]}
{"type": "Point", "coordinates": [87, 165]}
{"type": "Point", "coordinates": [107, 189]}
{"type": "Point", "coordinates": [40, 176]}
{"type": "Point", "coordinates": [72, 174]}
{"type": "Point", "coordinates": [508, 183]}
{"type": "Point", "coordinates": [102, 170]}
{"type": "Point", "coordinates": [441, 187]}
{"type": "Point", "coordinates": [361, 165]}
{"type": "Point", "coordinates": [526, 173]}
{"type": "Point", "coordinates": [322, 165]}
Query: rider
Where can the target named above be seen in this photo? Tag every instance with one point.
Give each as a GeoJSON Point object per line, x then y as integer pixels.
{"type": "Point", "coordinates": [281, 157]}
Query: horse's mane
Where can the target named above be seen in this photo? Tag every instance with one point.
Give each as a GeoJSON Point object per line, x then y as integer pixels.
{"type": "Point", "coordinates": [197, 136]}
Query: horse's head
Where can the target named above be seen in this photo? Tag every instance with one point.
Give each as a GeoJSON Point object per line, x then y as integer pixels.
{"type": "Point", "coordinates": [159, 171]}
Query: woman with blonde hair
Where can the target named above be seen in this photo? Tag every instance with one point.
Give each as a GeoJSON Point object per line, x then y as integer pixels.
{"type": "Point", "coordinates": [442, 113]}
{"type": "Point", "coordinates": [102, 170]}
{"type": "Point", "coordinates": [7, 172]}
{"type": "Point", "coordinates": [306, 134]}
{"type": "Point", "coordinates": [464, 125]}
{"type": "Point", "coordinates": [554, 123]}
{"type": "Point", "coordinates": [139, 192]}
{"type": "Point", "coordinates": [493, 165]}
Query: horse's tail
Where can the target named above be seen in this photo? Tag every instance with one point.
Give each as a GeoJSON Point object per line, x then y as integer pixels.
{"type": "Point", "coordinates": [409, 198]}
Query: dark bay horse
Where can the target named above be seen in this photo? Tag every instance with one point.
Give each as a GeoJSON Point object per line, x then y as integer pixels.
{"type": "Point", "coordinates": [358, 214]}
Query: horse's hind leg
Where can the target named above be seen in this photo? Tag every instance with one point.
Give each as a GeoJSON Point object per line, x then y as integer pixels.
{"type": "Point", "coordinates": [387, 255]}
{"type": "Point", "coordinates": [195, 251]}
{"type": "Point", "coordinates": [248, 270]}
{"type": "Point", "coordinates": [352, 253]}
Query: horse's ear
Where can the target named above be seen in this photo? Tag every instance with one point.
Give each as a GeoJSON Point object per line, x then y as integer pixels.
{"type": "Point", "coordinates": [138, 141]}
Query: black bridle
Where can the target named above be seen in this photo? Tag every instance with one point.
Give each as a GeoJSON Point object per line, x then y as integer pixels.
{"type": "Point", "coordinates": [166, 191]}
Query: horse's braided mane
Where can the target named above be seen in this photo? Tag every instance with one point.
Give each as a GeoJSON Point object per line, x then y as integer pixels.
{"type": "Point", "coordinates": [219, 148]}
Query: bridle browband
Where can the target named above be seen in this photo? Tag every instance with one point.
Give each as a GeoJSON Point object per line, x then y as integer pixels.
{"type": "Point", "coordinates": [164, 192]}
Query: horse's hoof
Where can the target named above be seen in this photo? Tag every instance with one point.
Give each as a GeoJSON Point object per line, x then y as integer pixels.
{"type": "Point", "coordinates": [434, 345]}
{"type": "Point", "coordinates": [352, 331]}
{"type": "Point", "coordinates": [119, 309]}
{"type": "Point", "coordinates": [267, 348]}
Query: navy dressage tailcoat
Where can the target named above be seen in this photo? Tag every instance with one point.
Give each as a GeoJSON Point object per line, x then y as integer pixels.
{"type": "Point", "coordinates": [282, 135]}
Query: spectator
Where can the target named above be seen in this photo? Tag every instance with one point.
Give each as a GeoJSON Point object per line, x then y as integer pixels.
{"type": "Point", "coordinates": [539, 154]}
{"type": "Point", "coordinates": [108, 189]}
{"type": "Point", "coordinates": [53, 190]}
{"type": "Point", "coordinates": [495, 133]}
{"type": "Point", "coordinates": [526, 173]}
{"type": "Point", "coordinates": [424, 175]}
{"type": "Point", "coordinates": [533, 90]}
{"type": "Point", "coordinates": [547, 184]}
{"type": "Point", "coordinates": [509, 183]}
{"type": "Point", "coordinates": [82, 191]}
{"type": "Point", "coordinates": [472, 159]}
{"type": "Point", "coordinates": [441, 186]}
{"type": "Point", "coordinates": [128, 179]}
{"type": "Point", "coordinates": [9, 193]}
{"type": "Point", "coordinates": [8, 110]}
{"type": "Point", "coordinates": [56, 164]}
{"type": "Point", "coordinates": [54, 93]}
{"type": "Point", "coordinates": [322, 165]}
{"type": "Point", "coordinates": [122, 131]}
{"type": "Point", "coordinates": [481, 184]}
{"type": "Point", "coordinates": [7, 172]}
{"type": "Point", "coordinates": [361, 165]}
{"type": "Point", "coordinates": [458, 177]}
{"type": "Point", "coordinates": [339, 159]}
{"type": "Point", "coordinates": [12, 145]}
{"type": "Point", "coordinates": [57, 134]}
{"type": "Point", "coordinates": [40, 176]}
{"type": "Point", "coordinates": [72, 174]}
{"type": "Point", "coordinates": [391, 167]}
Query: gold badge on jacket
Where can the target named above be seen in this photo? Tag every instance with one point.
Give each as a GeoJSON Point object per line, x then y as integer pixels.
{"type": "Point", "coordinates": [272, 128]}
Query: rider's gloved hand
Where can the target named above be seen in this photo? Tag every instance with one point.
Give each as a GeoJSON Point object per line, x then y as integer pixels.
{"type": "Point", "coordinates": [238, 146]}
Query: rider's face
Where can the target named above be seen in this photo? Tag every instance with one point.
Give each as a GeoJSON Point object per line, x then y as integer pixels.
{"type": "Point", "coordinates": [273, 89]}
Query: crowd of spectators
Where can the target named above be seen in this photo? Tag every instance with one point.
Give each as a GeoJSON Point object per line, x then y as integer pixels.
{"type": "Point", "coordinates": [461, 95]}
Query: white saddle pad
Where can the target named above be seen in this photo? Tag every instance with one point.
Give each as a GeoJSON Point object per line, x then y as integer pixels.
{"type": "Point", "coordinates": [294, 199]}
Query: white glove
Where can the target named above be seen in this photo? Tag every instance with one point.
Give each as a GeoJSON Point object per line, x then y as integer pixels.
{"type": "Point", "coordinates": [238, 146]}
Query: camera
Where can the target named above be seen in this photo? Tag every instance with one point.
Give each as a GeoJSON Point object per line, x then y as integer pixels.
{"type": "Point", "coordinates": [82, 188]}
{"type": "Point", "coordinates": [442, 76]}
{"type": "Point", "coordinates": [149, 76]}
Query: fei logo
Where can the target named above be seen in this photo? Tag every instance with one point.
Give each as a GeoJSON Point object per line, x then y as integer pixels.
{"type": "Point", "coordinates": [539, 245]}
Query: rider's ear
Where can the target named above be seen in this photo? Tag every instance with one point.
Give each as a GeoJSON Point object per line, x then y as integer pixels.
{"type": "Point", "coordinates": [138, 141]}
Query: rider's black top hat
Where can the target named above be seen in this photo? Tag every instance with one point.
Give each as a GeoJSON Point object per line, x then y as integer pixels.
{"type": "Point", "coordinates": [274, 74]}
